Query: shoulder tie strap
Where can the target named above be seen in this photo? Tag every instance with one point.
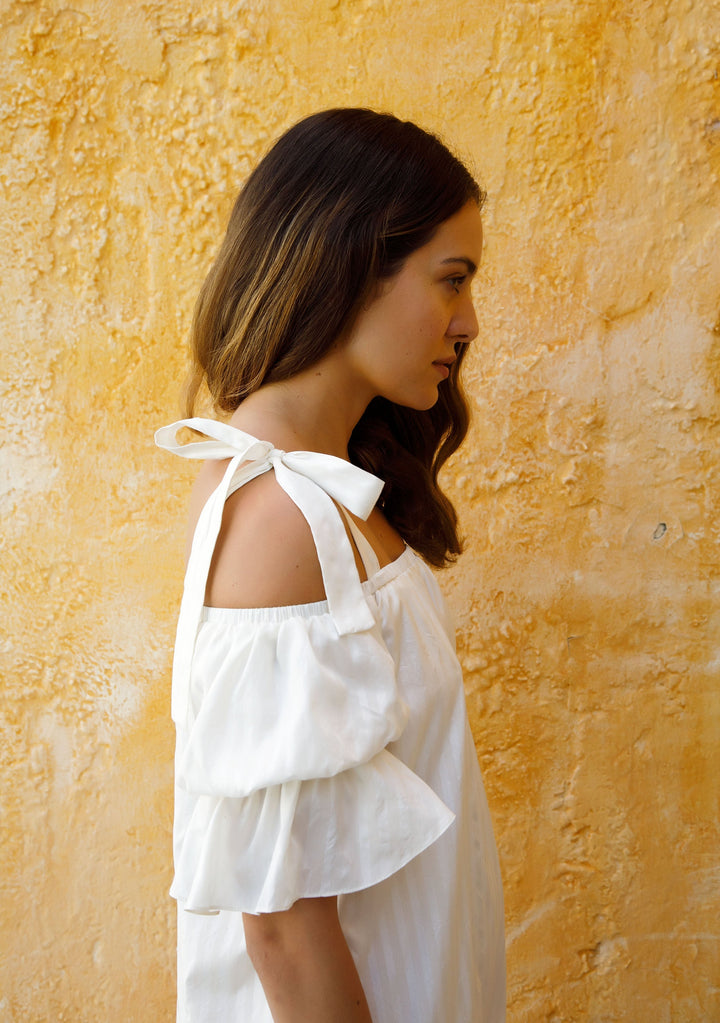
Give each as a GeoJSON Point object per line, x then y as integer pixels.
{"type": "Point", "coordinates": [311, 480]}
{"type": "Point", "coordinates": [367, 555]}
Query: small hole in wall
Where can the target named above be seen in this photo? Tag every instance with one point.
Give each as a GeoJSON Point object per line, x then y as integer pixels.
{"type": "Point", "coordinates": [660, 531]}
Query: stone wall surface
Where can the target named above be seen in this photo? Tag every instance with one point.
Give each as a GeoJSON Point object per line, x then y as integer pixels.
{"type": "Point", "coordinates": [587, 599]}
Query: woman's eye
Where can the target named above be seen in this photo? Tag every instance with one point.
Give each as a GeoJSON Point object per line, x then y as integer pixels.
{"type": "Point", "coordinates": [456, 282]}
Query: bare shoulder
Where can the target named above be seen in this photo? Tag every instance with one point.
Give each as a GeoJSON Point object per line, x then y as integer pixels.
{"type": "Point", "coordinates": [265, 555]}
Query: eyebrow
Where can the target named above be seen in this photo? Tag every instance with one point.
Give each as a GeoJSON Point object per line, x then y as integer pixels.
{"type": "Point", "coordinates": [468, 263]}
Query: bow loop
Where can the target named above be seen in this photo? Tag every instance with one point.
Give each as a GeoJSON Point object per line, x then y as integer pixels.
{"type": "Point", "coordinates": [227, 442]}
{"type": "Point", "coordinates": [351, 486]}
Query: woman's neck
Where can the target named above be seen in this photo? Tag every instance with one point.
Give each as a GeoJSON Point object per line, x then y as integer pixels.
{"type": "Point", "coordinates": [314, 410]}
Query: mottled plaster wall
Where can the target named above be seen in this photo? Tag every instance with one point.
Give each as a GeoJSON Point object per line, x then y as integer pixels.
{"type": "Point", "coordinates": [587, 600]}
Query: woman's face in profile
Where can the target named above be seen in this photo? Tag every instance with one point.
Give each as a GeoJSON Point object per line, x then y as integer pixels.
{"type": "Point", "coordinates": [402, 344]}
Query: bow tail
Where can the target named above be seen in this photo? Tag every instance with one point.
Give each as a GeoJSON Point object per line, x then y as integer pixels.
{"type": "Point", "coordinates": [343, 589]}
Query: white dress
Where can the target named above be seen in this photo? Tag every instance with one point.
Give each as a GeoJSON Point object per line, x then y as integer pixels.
{"type": "Point", "coordinates": [324, 749]}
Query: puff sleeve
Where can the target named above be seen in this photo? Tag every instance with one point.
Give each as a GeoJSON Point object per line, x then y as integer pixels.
{"type": "Point", "coordinates": [284, 786]}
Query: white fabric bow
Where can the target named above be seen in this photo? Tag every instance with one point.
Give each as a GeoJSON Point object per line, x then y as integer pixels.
{"type": "Point", "coordinates": [313, 481]}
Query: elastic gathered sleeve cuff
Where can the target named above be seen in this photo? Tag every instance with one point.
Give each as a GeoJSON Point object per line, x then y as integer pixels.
{"type": "Point", "coordinates": [325, 837]}
{"type": "Point", "coordinates": [284, 787]}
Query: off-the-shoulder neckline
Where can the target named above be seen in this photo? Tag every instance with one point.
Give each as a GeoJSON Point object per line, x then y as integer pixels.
{"type": "Point", "coordinates": [383, 577]}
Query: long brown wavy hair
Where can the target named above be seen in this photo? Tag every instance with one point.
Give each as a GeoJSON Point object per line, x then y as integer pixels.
{"type": "Point", "coordinates": [339, 203]}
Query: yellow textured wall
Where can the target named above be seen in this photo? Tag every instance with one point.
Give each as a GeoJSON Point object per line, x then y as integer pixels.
{"type": "Point", "coordinates": [588, 598]}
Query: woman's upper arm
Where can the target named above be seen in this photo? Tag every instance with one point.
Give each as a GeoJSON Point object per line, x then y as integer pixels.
{"type": "Point", "coordinates": [265, 555]}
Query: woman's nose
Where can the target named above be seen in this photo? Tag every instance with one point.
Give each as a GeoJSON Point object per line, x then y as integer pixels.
{"type": "Point", "coordinates": [464, 324]}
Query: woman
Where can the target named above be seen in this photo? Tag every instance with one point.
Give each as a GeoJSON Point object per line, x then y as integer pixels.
{"type": "Point", "coordinates": [334, 857]}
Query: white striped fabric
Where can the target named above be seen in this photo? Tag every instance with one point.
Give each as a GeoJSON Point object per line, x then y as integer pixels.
{"type": "Point", "coordinates": [317, 759]}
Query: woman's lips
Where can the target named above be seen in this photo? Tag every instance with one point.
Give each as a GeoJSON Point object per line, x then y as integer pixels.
{"type": "Point", "coordinates": [445, 364]}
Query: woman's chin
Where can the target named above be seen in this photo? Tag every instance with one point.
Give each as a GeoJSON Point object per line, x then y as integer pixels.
{"type": "Point", "coordinates": [421, 404]}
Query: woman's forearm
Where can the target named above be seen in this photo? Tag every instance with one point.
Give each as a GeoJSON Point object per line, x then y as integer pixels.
{"type": "Point", "coordinates": [305, 966]}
